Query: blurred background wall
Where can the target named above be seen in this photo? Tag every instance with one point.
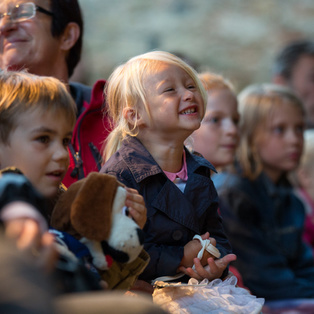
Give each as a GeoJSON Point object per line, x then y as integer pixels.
{"type": "Point", "coordinates": [236, 38]}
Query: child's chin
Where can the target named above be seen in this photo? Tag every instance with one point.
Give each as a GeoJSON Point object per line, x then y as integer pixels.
{"type": "Point", "coordinates": [50, 193]}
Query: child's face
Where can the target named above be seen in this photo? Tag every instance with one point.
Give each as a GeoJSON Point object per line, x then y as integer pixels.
{"type": "Point", "coordinates": [218, 136]}
{"type": "Point", "coordinates": [175, 104]}
{"type": "Point", "coordinates": [38, 147]}
{"type": "Point", "coordinates": [280, 143]}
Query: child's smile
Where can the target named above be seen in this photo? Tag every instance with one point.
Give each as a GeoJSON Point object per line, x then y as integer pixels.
{"type": "Point", "coordinates": [175, 103]}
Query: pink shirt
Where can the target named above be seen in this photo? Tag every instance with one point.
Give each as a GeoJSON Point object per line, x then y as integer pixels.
{"type": "Point", "coordinates": [182, 174]}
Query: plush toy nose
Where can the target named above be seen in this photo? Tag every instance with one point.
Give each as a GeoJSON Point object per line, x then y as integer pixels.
{"type": "Point", "coordinates": [141, 235]}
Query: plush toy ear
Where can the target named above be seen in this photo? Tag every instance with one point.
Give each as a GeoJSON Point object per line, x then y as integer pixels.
{"type": "Point", "coordinates": [60, 218]}
{"type": "Point", "coordinates": [92, 208]}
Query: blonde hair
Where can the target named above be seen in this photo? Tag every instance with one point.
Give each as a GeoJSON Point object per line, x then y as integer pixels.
{"type": "Point", "coordinates": [256, 104]}
{"type": "Point", "coordinates": [125, 89]}
{"type": "Point", "coordinates": [21, 92]}
{"type": "Point", "coordinates": [213, 81]}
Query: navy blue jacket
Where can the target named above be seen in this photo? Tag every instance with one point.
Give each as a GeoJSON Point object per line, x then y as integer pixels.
{"type": "Point", "coordinates": [173, 217]}
{"type": "Point", "coordinates": [264, 223]}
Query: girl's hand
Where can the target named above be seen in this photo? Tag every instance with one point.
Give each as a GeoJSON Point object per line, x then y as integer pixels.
{"type": "Point", "coordinates": [212, 271]}
{"type": "Point", "coordinates": [135, 203]}
{"type": "Point", "coordinates": [191, 250]}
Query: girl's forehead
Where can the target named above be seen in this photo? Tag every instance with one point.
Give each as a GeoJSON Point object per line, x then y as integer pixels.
{"type": "Point", "coordinates": [163, 71]}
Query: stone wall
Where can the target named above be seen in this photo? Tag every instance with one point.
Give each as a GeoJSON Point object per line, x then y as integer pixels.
{"type": "Point", "coordinates": [237, 38]}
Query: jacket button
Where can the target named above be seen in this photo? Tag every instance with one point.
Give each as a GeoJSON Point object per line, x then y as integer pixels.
{"type": "Point", "coordinates": [177, 235]}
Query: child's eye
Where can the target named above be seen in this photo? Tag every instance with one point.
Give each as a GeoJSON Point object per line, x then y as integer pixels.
{"type": "Point", "coordinates": [169, 89]}
{"type": "Point", "coordinates": [43, 139]}
{"type": "Point", "coordinates": [66, 142]}
{"type": "Point", "coordinates": [125, 211]}
{"type": "Point", "coordinates": [214, 120]}
{"type": "Point", "coordinates": [191, 86]}
{"type": "Point", "coordinates": [300, 129]}
{"type": "Point", "coordinates": [211, 119]}
{"type": "Point", "coordinates": [278, 130]}
{"type": "Point", "coordinates": [236, 120]}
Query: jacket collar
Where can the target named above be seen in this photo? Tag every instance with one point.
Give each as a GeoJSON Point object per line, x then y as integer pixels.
{"type": "Point", "coordinates": [272, 188]}
{"type": "Point", "coordinates": [142, 164]}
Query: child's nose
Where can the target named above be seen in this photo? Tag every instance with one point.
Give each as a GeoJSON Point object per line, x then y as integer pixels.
{"type": "Point", "coordinates": [231, 127]}
{"type": "Point", "coordinates": [188, 95]}
{"type": "Point", "coordinates": [61, 153]}
{"type": "Point", "coordinates": [293, 136]}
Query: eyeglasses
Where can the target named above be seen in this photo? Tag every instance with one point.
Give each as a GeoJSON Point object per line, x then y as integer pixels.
{"type": "Point", "coordinates": [24, 11]}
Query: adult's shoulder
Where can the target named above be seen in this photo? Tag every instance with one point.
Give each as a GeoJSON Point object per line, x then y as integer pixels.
{"type": "Point", "coordinates": [80, 92]}
{"type": "Point", "coordinates": [88, 96]}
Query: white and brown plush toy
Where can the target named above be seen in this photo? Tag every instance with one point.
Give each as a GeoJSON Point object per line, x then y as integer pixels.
{"type": "Point", "coordinates": [92, 210]}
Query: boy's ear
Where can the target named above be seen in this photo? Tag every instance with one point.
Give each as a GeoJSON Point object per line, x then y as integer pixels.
{"type": "Point", "coordinates": [132, 116]}
{"type": "Point", "coordinates": [70, 36]}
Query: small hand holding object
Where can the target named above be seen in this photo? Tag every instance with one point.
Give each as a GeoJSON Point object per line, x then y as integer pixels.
{"type": "Point", "coordinates": [191, 250]}
{"type": "Point", "coordinates": [208, 266]}
{"type": "Point", "coordinates": [135, 202]}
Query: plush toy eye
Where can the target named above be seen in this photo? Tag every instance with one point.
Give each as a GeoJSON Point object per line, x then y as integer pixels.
{"type": "Point", "coordinates": [125, 211]}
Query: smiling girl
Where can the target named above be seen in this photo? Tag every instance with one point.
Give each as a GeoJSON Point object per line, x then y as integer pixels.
{"type": "Point", "coordinates": [156, 101]}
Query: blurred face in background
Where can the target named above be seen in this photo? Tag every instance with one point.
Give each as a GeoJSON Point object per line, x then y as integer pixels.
{"type": "Point", "coordinates": [279, 144]}
{"type": "Point", "coordinates": [302, 82]}
{"type": "Point", "coordinates": [218, 136]}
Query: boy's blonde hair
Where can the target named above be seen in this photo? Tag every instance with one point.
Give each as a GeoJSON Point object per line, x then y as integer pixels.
{"type": "Point", "coordinates": [213, 81]}
{"type": "Point", "coordinates": [21, 92]}
{"type": "Point", "coordinates": [256, 105]}
{"type": "Point", "coordinates": [125, 89]}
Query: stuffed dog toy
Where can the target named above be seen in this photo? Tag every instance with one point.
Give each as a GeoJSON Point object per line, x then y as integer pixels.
{"type": "Point", "coordinates": [92, 210]}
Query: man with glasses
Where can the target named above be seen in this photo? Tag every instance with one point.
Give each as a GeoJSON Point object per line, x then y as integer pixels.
{"type": "Point", "coordinates": [45, 38]}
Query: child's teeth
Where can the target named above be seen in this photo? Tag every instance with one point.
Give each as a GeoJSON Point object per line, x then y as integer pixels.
{"type": "Point", "coordinates": [188, 111]}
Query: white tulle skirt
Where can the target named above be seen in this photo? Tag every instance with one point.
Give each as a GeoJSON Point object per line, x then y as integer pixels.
{"type": "Point", "coordinates": [216, 296]}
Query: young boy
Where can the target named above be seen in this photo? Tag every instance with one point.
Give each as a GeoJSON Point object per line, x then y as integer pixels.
{"type": "Point", "coordinates": [37, 116]}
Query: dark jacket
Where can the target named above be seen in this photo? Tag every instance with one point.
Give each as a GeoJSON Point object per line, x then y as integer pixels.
{"type": "Point", "coordinates": [264, 223]}
{"type": "Point", "coordinates": [91, 129]}
{"type": "Point", "coordinates": [173, 217]}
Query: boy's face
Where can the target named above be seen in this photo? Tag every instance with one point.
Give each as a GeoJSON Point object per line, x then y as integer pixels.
{"type": "Point", "coordinates": [38, 147]}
